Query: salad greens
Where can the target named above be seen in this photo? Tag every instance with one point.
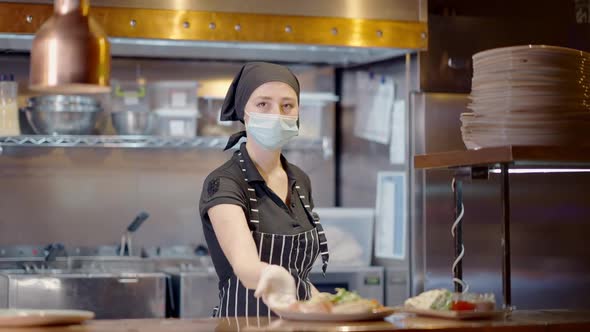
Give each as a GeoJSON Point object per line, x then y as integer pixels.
{"type": "Point", "coordinates": [344, 296]}
{"type": "Point", "coordinates": [443, 301]}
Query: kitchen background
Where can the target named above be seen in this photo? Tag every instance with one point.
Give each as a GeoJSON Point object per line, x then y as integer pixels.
{"type": "Point", "coordinates": [87, 196]}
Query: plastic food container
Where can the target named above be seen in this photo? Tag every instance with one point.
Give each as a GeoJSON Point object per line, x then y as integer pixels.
{"type": "Point", "coordinates": [174, 95]}
{"type": "Point", "coordinates": [180, 123]}
{"type": "Point", "coordinates": [9, 123]}
{"type": "Point", "coordinates": [313, 109]}
{"type": "Point", "coordinates": [129, 96]}
{"type": "Point", "coordinates": [349, 232]}
{"type": "Point", "coordinates": [209, 118]}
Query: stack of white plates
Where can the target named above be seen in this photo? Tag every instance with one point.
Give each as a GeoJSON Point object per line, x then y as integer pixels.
{"type": "Point", "coordinates": [528, 95]}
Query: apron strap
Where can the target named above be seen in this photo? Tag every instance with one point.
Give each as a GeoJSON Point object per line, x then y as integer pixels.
{"type": "Point", "coordinates": [253, 215]}
{"type": "Point", "coordinates": [324, 252]}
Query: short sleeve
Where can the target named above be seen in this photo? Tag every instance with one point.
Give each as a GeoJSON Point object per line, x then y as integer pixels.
{"type": "Point", "coordinates": [308, 187]}
{"type": "Point", "coordinates": [219, 189]}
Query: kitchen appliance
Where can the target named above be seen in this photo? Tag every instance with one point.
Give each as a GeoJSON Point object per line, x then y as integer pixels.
{"type": "Point", "coordinates": [367, 281]}
{"type": "Point", "coordinates": [109, 295]}
{"type": "Point", "coordinates": [70, 52]}
{"type": "Point", "coordinates": [192, 282]}
{"type": "Point", "coordinates": [196, 292]}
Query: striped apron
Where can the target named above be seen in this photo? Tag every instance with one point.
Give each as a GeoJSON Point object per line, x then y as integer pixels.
{"type": "Point", "coordinates": [296, 253]}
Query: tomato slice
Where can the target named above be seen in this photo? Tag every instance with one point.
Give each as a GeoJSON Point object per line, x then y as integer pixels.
{"type": "Point", "coordinates": [462, 305]}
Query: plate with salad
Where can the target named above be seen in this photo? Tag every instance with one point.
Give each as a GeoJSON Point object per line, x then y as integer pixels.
{"type": "Point", "coordinates": [343, 306]}
{"type": "Point", "coordinates": [443, 303]}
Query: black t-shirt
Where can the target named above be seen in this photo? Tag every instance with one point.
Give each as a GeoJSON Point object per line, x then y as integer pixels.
{"type": "Point", "coordinates": [227, 185]}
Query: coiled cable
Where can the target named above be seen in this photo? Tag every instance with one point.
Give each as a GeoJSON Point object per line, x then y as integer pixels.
{"type": "Point", "coordinates": [459, 258]}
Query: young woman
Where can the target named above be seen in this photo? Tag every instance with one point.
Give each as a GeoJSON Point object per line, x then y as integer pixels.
{"type": "Point", "coordinates": [256, 209]}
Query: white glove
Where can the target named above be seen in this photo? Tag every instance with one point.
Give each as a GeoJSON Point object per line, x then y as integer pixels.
{"type": "Point", "coordinates": [276, 286]}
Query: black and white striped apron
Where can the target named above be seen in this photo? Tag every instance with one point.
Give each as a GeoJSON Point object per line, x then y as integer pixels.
{"type": "Point", "coordinates": [296, 253]}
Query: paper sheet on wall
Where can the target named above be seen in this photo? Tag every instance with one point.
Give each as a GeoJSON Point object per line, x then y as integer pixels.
{"type": "Point", "coordinates": [397, 145]}
{"type": "Point", "coordinates": [390, 223]}
{"type": "Point", "coordinates": [386, 215]}
{"type": "Point", "coordinates": [349, 92]}
{"type": "Point", "coordinates": [375, 95]}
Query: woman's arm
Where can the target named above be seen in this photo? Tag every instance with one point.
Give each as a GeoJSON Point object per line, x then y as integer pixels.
{"type": "Point", "coordinates": [233, 235]}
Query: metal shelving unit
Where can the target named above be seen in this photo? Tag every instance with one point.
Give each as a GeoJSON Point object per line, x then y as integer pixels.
{"type": "Point", "coordinates": [323, 144]}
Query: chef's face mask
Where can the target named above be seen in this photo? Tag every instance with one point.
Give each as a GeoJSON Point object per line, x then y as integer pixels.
{"type": "Point", "coordinates": [271, 131]}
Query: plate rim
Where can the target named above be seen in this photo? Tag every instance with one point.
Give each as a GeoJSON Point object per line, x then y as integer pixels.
{"type": "Point", "coordinates": [299, 316]}
{"type": "Point", "coordinates": [43, 317]}
{"type": "Point", "coordinates": [458, 315]}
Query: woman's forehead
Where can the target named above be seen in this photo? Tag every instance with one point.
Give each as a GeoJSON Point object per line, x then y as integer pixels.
{"type": "Point", "coordinates": [271, 90]}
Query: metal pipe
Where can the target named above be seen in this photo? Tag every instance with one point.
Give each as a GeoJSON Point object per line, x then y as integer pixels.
{"type": "Point", "coordinates": [506, 281]}
{"type": "Point", "coordinates": [338, 77]}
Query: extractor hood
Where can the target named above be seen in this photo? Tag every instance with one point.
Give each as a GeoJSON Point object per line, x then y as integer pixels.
{"type": "Point", "coordinates": [337, 32]}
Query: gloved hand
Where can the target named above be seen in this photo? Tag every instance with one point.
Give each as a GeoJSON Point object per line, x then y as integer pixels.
{"type": "Point", "coordinates": [276, 286]}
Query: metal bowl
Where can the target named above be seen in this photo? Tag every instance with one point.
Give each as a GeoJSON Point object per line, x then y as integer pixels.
{"type": "Point", "coordinates": [63, 100]}
{"type": "Point", "coordinates": [46, 122]}
{"type": "Point", "coordinates": [134, 122]}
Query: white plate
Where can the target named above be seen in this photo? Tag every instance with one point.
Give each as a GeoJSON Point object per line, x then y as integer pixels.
{"type": "Point", "coordinates": [376, 315]}
{"type": "Point", "coordinates": [31, 317]}
{"type": "Point", "coordinates": [528, 49]}
{"type": "Point", "coordinates": [453, 314]}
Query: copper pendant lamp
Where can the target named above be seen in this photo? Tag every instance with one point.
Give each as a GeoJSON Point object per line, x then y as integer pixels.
{"type": "Point", "coordinates": [70, 53]}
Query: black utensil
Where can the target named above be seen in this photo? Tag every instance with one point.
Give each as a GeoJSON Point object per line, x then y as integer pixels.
{"type": "Point", "coordinates": [53, 250]}
{"type": "Point", "coordinates": [137, 222]}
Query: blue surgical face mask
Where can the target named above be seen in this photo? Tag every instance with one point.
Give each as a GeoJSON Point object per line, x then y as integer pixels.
{"type": "Point", "coordinates": [271, 131]}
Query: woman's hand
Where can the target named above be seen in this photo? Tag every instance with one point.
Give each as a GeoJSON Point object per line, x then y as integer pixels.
{"type": "Point", "coordinates": [277, 288]}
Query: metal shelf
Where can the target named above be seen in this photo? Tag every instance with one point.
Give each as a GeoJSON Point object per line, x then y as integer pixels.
{"type": "Point", "coordinates": [514, 155]}
{"type": "Point", "coordinates": [147, 142]}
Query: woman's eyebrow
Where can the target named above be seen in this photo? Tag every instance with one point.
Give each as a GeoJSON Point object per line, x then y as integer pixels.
{"type": "Point", "coordinates": [290, 99]}
{"type": "Point", "coordinates": [264, 97]}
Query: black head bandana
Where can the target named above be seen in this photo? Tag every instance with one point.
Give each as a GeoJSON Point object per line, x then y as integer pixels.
{"type": "Point", "coordinates": [251, 76]}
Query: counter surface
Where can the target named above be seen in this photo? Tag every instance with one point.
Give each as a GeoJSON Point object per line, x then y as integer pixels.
{"type": "Point", "coordinates": [520, 321]}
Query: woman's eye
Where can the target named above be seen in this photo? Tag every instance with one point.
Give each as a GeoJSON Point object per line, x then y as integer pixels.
{"type": "Point", "coordinates": [288, 107]}
{"type": "Point", "coordinates": [261, 104]}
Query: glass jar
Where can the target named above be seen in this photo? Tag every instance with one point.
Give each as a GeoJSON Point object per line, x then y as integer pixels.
{"type": "Point", "coordinates": [9, 125]}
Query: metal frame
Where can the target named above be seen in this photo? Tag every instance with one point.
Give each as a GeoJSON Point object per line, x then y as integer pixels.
{"type": "Point", "coordinates": [221, 26]}
{"type": "Point", "coordinates": [506, 269]}
{"type": "Point", "coordinates": [503, 159]}
{"type": "Point", "coordinates": [474, 173]}
{"type": "Point", "coordinates": [323, 144]}
{"type": "Point", "coordinates": [404, 10]}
